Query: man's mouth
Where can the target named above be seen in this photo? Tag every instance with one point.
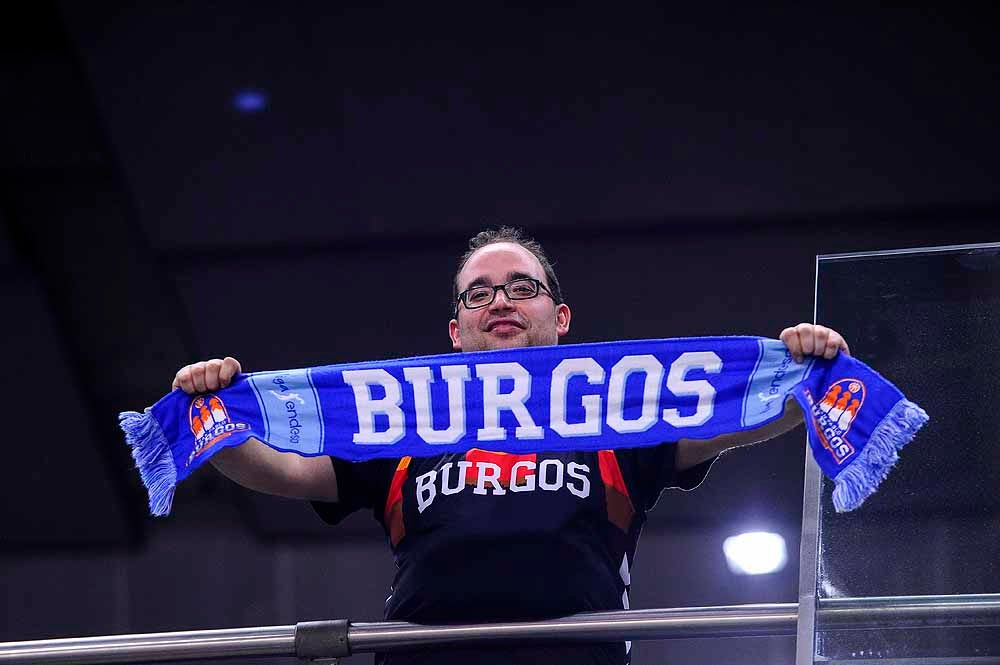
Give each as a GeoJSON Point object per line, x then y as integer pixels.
{"type": "Point", "coordinates": [503, 325]}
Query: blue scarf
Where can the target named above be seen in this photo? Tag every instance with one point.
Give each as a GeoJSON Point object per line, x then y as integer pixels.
{"type": "Point", "coordinates": [549, 398]}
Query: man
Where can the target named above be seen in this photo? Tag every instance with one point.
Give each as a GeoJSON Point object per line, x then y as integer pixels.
{"type": "Point", "coordinates": [559, 533]}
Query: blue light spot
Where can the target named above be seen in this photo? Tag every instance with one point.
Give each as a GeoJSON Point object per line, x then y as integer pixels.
{"type": "Point", "coordinates": [250, 101]}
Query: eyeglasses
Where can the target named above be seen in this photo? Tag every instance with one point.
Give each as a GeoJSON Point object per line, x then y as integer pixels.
{"type": "Point", "coordinates": [524, 288]}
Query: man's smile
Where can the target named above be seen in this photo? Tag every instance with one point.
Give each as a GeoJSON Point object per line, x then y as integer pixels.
{"type": "Point", "coordinates": [504, 326]}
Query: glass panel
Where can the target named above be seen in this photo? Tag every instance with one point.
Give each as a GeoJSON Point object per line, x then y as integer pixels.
{"type": "Point", "coordinates": [929, 321]}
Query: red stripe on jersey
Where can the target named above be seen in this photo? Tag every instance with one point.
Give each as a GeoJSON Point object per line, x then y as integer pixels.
{"type": "Point", "coordinates": [619, 503]}
{"type": "Point", "coordinates": [505, 461]}
{"type": "Point", "coordinates": [393, 513]}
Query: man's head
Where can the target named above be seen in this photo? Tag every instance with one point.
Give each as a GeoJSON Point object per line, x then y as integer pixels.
{"type": "Point", "coordinates": [498, 257]}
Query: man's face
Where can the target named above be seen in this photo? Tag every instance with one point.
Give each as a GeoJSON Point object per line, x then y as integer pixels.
{"type": "Point", "coordinates": [505, 323]}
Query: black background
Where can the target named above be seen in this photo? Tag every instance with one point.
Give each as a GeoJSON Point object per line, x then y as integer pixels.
{"type": "Point", "coordinates": [682, 165]}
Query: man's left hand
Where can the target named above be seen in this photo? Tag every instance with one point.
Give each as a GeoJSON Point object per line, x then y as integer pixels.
{"type": "Point", "coordinates": [809, 339]}
{"type": "Point", "coordinates": [801, 340]}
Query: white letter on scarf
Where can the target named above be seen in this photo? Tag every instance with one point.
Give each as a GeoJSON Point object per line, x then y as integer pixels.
{"type": "Point", "coordinates": [360, 380]}
{"type": "Point", "coordinates": [455, 376]}
{"type": "Point", "coordinates": [622, 369]}
{"type": "Point", "coordinates": [493, 402]}
{"type": "Point", "coordinates": [712, 364]}
{"type": "Point", "coordinates": [591, 425]}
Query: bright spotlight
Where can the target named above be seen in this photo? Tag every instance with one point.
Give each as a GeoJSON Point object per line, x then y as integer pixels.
{"type": "Point", "coordinates": [755, 553]}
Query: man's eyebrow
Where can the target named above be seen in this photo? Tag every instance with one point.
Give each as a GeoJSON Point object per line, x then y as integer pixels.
{"type": "Point", "coordinates": [479, 281]}
{"type": "Point", "coordinates": [482, 280]}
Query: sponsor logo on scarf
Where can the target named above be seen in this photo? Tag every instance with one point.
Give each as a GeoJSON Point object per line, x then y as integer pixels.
{"type": "Point", "coordinates": [834, 414]}
{"type": "Point", "coordinates": [290, 407]}
{"type": "Point", "coordinates": [210, 423]}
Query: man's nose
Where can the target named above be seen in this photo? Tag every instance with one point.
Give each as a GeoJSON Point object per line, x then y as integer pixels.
{"type": "Point", "coordinates": [501, 301]}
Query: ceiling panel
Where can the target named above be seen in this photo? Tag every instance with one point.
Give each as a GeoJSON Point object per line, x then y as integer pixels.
{"type": "Point", "coordinates": [397, 120]}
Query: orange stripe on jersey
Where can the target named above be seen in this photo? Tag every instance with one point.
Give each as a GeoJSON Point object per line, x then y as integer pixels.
{"type": "Point", "coordinates": [619, 503]}
{"type": "Point", "coordinates": [505, 461]}
{"type": "Point", "coordinates": [394, 503]}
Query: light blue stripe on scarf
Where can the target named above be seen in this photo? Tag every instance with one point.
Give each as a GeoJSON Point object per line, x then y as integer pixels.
{"type": "Point", "coordinates": [550, 398]}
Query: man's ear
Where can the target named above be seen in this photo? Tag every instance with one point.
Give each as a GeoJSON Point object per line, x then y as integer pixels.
{"type": "Point", "coordinates": [563, 316]}
{"type": "Point", "coordinates": [456, 338]}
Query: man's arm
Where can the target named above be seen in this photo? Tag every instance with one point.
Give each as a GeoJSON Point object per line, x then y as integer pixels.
{"type": "Point", "coordinates": [805, 339]}
{"type": "Point", "coordinates": [261, 468]}
{"type": "Point", "coordinates": [255, 465]}
{"type": "Point", "coordinates": [692, 452]}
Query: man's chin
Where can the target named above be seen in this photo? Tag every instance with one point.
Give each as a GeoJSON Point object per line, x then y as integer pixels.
{"type": "Point", "coordinates": [518, 340]}
{"type": "Point", "coordinates": [492, 342]}
{"type": "Point", "coordinates": [512, 342]}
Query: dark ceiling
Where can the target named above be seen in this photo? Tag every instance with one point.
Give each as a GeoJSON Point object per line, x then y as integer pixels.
{"type": "Point", "coordinates": [146, 221]}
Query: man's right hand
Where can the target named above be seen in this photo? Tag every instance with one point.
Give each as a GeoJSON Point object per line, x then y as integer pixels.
{"type": "Point", "coordinates": [207, 375]}
{"type": "Point", "coordinates": [255, 465]}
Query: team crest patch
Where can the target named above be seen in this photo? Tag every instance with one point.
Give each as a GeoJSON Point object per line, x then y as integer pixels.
{"type": "Point", "coordinates": [834, 415]}
{"type": "Point", "coordinates": [210, 423]}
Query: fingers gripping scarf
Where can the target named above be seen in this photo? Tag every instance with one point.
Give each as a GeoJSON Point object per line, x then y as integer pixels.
{"type": "Point", "coordinates": [553, 398]}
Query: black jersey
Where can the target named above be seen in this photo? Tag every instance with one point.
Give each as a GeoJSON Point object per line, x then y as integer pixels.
{"type": "Point", "coordinates": [486, 536]}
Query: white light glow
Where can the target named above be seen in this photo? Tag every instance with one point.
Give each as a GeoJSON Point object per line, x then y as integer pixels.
{"type": "Point", "coordinates": [755, 553]}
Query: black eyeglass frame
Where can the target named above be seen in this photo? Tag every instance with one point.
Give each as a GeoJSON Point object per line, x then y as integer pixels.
{"type": "Point", "coordinates": [539, 287]}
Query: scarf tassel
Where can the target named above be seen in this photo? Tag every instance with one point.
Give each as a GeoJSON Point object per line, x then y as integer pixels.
{"type": "Point", "coordinates": [153, 458]}
{"type": "Point", "coordinates": [860, 480]}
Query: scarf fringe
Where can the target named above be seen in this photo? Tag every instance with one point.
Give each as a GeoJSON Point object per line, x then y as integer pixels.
{"type": "Point", "coordinates": [861, 478]}
{"type": "Point", "coordinates": [151, 452]}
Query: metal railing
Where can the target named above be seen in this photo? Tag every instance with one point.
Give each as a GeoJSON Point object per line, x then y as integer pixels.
{"type": "Point", "coordinates": [339, 638]}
